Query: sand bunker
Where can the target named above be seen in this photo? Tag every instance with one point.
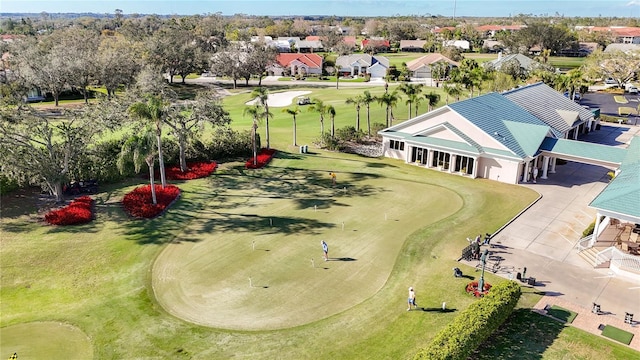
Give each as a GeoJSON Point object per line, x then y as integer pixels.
{"type": "Point", "coordinates": [281, 99]}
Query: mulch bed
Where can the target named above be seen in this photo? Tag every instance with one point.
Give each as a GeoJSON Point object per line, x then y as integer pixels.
{"type": "Point", "coordinates": [80, 211]}
{"type": "Point", "coordinates": [139, 203]}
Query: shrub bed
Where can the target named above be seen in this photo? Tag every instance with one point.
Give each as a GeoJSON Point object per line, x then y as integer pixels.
{"type": "Point", "coordinates": [263, 158]}
{"type": "Point", "coordinates": [139, 203]}
{"type": "Point", "coordinates": [195, 170]}
{"type": "Point", "coordinates": [474, 325]}
{"type": "Point", "coordinates": [78, 212]}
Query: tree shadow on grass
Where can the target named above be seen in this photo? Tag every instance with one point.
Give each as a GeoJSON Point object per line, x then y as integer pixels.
{"type": "Point", "coordinates": [525, 335]}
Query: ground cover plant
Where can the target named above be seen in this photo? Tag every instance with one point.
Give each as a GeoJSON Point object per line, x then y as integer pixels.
{"type": "Point", "coordinates": [139, 203]}
{"type": "Point", "coordinates": [79, 211]}
{"type": "Point", "coordinates": [196, 170]}
{"type": "Point", "coordinates": [261, 160]}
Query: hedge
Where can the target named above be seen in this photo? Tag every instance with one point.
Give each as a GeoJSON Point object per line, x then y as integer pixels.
{"type": "Point", "coordinates": [474, 325]}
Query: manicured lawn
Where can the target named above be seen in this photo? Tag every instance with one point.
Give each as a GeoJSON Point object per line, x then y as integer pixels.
{"type": "Point", "coordinates": [528, 335]}
{"type": "Point", "coordinates": [97, 276]}
{"type": "Point", "coordinates": [566, 62]}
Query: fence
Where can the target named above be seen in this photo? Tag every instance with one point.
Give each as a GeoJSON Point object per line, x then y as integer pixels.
{"type": "Point", "coordinates": [618, 259]}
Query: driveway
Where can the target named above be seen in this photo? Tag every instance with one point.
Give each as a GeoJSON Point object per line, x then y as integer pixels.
{"type": "Point", "coordinates": [543, 238]}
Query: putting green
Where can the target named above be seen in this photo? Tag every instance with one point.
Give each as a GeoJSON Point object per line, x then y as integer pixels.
{"type": "Point", "coordinates": [212, 275]}
{"type": "Point", "coordinates": [44, 340]}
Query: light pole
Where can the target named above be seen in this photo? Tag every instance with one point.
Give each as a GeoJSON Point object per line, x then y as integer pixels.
{"type": "Point", "coordinates": [483, 260]}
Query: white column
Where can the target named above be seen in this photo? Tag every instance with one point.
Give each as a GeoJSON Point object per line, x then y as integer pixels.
{"type": "Point", "coordinates": [452, 163]}
{"type": "Point", "coordinates": [553, 165]}
{"type": "Point", "coordinates": [545, 167]}
{"type": "Point", "coordinates": [525, 176]}
{"type": "Point", "coordinates": [575, 134]}
{"type": "Point", "coordinates": [408, 151]}
{"type": "Point", "coordinates": [429, 158]}
{"type": "Point", "coordinates": [596, 230]}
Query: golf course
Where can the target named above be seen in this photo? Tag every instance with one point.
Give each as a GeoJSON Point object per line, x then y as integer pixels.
{"type": "Point", "coordinates": [234, 268]}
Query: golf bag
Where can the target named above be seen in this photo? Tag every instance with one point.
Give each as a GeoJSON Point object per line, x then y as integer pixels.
{"type": "Point", "coordinates": [457, 272]}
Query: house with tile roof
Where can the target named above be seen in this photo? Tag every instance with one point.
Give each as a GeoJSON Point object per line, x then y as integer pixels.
{"type": "Point", "coordinates": [412, 45]}
{"type": "Point", "coordinates": [494, 137]}
{"type": "Point", "coordinates": [375, 45]}
{"type": "Point", "coordinates": [360, 64]}
{"type": "Point", "coordinates": [296, 63]}
{"type": "Point", "coordinates": [421, 67]}
{"type": "Point", "coordinates": [526, 63]}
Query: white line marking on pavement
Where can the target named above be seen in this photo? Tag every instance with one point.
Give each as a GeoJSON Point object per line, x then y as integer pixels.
{"type": "Point", "coordinates": [634, 288]}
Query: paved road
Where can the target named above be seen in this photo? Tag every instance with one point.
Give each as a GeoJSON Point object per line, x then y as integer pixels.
{"type": "Point", "coordinates": [273, 81]}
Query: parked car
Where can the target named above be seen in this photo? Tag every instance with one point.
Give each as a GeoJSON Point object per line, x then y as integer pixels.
{"type": "Point", "coordinates": [576, 95]}
{"type": "Point", "coordinates": [632, 90]}
{"type": "Point", "coordinates": [610, 81]}
{"type": "Point", "coordinates": [303, 100]}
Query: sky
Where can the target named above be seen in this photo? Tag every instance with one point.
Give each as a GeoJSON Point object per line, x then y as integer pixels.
{"type": "Point", "coordinates": [505, 8]}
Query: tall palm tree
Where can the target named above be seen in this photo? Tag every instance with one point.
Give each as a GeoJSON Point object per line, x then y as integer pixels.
{"type": "Point", "coordinates": [357, 101]}
{"type": "Point", "coordinates": [453, 90]}
{"type": "Point", "coordinates": [141, 149]}
{"type": "Point", "coordinates": [417, 100]}
{"type": "Point", "coordinates": [255, 112]}
{"type": "Point", "coordinates": [320, 108]}
{"type": "Point", "coordinates": [332, 114]}
{"type": "Point", "coordinates": [410, 90]}
{"type": "Point", "coordinates": [432, 99]}
{"type": "Point", "coordinates": [293, 112]}
{"type": "Point", "coordinates": [390, 100]}
{"type": "Point", "coordinates": [153, 110]}
{"type": "Point", "coordinates": [367, 99]}
{"type": "Point", "coordinates": [262, 93]}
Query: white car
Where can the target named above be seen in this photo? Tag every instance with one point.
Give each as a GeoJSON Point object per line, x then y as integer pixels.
{"type": "Point", "coordinates": [610, 81]}
{"type": "Point", "coordinates": [632, 90]}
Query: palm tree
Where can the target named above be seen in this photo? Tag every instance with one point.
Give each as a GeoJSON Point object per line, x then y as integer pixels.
{"type": "Point", "coordinates": [417, 100]}
{"type": "Point", "coordinates": [367, 99]}
{"type": "Point", "coordinates": [262, 93]}
{"type": "Point", "coordinates": [439, 70]}
{"type": "Point", "coordinates": [153, 110]}
{"type": "Point", "coordinates": [320, 108]}
{"type": "Point", "coordinates": [332, 114]}
{"type": "Point", "coordinates": [141, 149]}
{"type": "Point", "coordinates": [357, 101]}
{"type": "Point", "coordinates": [453, 90]}
{"type": "Point", "coordinates": [410, 90]}
{"type": "Point", "coordinates": [255, 112]}
{"type": "Point", "coordinates": [432, 99]}
{"type": "Point", "coordinates": [293, 112]}
{"type": "Point", "coordinates": [390, 100]}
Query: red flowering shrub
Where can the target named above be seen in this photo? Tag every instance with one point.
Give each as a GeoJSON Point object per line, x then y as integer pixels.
{"type": "Point", "coordinates": [78, 212]}
{"type": "Point", "coordinates": [472, 288]}
{"type": "Point", "coordinates": [139, 203]}
{"type": "Point", "coordinates": [263, 158]}
{"type": "Point", "coordinates": [196, 170]}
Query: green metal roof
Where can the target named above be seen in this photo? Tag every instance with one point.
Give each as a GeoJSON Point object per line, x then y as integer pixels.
{"type": "Point", "coordinates": [622, 195]}
{"type": "Point", "coordinates": [529, 136]}
{"type": "Point", "coordinates": [584, 150]}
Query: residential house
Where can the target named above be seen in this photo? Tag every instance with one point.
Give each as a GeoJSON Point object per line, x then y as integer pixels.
{"type": "Point", "coordinates": [296, 63]}
{"type": "Point", "coordinates": [492, 136]}
{"type": "Point", "coordinates": [350, 41]}
{"type": "Point", "coordinates": [492, 46]}
{"type": "Point", "coordinates": [627, 48]}
{"type": "Point", "coordinates": [463, 45]}
{"type": "Point", "coordinates": [490, 31]}
{"type": "Point", "coordinates": [305, 46]}
{"type": "Point", "coordinates": [526, 63]}
{"type": "Point", "coordinates": [619, 34]}
{"type": "Point", "coordinates": [412, 45]}
{"type": "Point", "coordinates": [421, 67]}
{"type": "Point", "coordinates": [376, 45]}
{"type": "Point", "coordinates": [360, 64]}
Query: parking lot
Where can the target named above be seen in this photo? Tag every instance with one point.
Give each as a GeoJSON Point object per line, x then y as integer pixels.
{"type": "Point", "coordinates": [608, 105]}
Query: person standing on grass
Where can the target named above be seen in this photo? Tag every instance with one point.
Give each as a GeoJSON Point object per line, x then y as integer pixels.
{"type": "Point", "coordinates": [333, 178]}
{"type": "Point", "coordinates": [411, 300]}
{"type": "Point", "coordinates": [325, 250]}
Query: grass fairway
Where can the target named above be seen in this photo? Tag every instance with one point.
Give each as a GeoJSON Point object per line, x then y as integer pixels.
{"type": "Point", "coordinates": [616, 334]}
{"type": "Point", "coordinates": [563, 314]}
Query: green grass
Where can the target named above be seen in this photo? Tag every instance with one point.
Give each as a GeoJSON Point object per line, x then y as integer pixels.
{"type": "Point", "coordinates": [528, 335]}
{"type": "Point", "coordinates": [563, 314]}
{"type": "Point", "coordinates": [566, 63]}
{"type": "Point", "coordinates": [616, 334]}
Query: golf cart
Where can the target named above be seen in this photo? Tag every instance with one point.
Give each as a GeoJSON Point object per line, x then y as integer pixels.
{"type": "Point", "coordinates": [303, 100]}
